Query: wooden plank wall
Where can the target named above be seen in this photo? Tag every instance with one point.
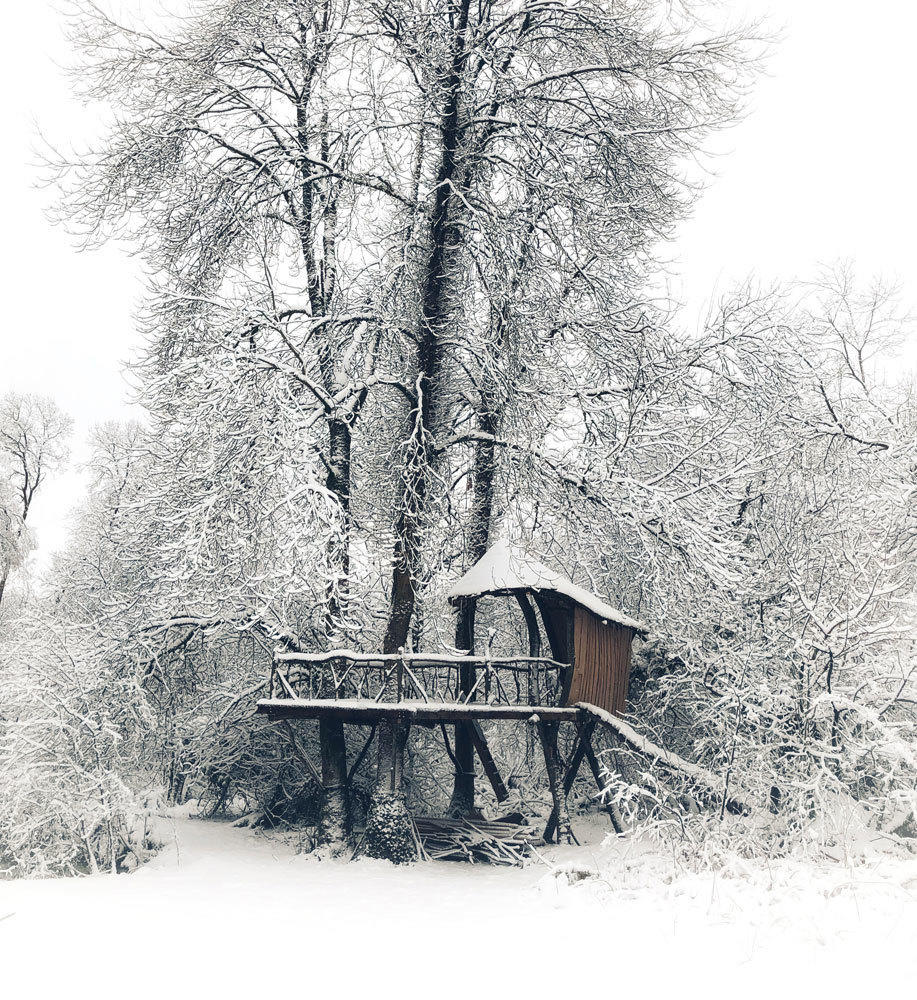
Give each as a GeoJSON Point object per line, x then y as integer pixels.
{"type": "Point", "coordinates": [601, 662]}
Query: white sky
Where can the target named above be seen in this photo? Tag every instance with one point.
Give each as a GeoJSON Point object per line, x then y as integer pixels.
{"type": "Point", "coordinates": [821, 169]}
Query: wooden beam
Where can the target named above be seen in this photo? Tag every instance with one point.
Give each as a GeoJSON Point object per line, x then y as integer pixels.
{"type": "Point", "coordinates": [366, 712]}
{"type": "Point", "coordinates": [558, 643]}
{"type": "Point", "coordinates": [584, 733]}
{"type": "Point", "coordinates": [531, 622]}
{"type": "Point", "coordinates": [614, 813]}
{"type": "Point", "coordinates": [667, 758]}
{"type": "Point", "coordinates": [303, 756]}
{"type": "Point", "coordinates": [487, 761]}
{"type": "Point", "coordinates": [531, 625]}
{"type": "Point", "coordinates": [361, 754]}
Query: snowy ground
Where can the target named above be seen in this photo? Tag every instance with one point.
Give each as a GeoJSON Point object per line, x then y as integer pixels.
{"type": "Point", "coordinates": [225, 912]}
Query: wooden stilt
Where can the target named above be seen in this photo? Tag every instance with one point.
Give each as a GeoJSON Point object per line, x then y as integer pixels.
{"type": "Point", "coordinates": [547, 733]}
{"type": "Point", "coordinates": [303, 756]}
{"type": "Point", "coordinates": [614, 813]}
{"type": "Point", "coordinates": [334, 821]}
{"type": "Point", "coordinates": [584, 735]}
{"type": "Point", "coordinates": [487, 761]}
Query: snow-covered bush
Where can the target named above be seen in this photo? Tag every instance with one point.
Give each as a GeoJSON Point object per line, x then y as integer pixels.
{"type": "Point", "coordinates": [75, 795]}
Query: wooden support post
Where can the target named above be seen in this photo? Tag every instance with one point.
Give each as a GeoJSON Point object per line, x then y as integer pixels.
{"type": "Point", "coordinates": [584, 735]}
{"type": "Point", "coordinates": [547, 732]}
{"type": "Point", "coordinates": [334, 820]}
{"type": "Point", "coordinates": [393, 735]}
{"type": "Point", "coordinates": [614, 813]}
{"type": "Point", "coordinates": [361, 755]}
{"type": "Point", "coordinates": [531, 625]}
{"type": "Point", "coordinates": [488, 762]}
{"type": "Point", "coordinates": [462, 801]}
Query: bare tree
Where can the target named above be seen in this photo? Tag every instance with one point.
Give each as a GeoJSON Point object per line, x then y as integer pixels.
{"type": "Point", "coordinates": [333, 198]}
{"type": "Point", "coordinates": [34, 436]}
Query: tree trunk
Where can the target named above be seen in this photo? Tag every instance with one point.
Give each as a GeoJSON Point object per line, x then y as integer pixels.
{"type": "Point", "coordinates": [334, 820]}
{"type": "Point", "coordinates": [436, 286]}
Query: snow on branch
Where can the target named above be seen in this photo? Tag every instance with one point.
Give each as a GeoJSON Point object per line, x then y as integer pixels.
{"type": "Point", "coordinates": [665, 757]}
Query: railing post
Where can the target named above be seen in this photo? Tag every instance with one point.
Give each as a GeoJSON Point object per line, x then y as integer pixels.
{"type": "Point", "coordinates": [399, 674]}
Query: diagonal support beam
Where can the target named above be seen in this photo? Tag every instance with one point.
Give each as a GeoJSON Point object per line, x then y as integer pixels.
{"type": "Point", "coordinates": [303, 756]}
{"type": "Point", "coordinates": [584, 733]}
{"type": "Point", "coordinates": [487, 760]}
{"type": "Point", "coordinates": [614, 814]}
{"type": "Point", "coordinates": [547, 733]}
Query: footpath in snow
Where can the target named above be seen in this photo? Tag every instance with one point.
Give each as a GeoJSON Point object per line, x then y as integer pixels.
{"type": "Point", "coordinates": [223, 912]}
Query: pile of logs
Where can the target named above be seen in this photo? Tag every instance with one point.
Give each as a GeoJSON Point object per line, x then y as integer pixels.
{"type": "Point", "coordinates": [494, 841]}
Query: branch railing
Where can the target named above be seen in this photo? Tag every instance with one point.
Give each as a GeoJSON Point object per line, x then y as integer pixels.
{"type": "Point", "coordinates": [343, 674]}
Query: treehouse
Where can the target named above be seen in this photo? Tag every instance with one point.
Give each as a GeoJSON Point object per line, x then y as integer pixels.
{"type": "Point", "coordinates": [590, 641]}
{"type": "Point", "coordinates": [581, 676]}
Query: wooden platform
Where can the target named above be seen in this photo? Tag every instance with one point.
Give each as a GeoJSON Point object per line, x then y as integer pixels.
{"type": "Point", "coordinates": [368, 712]}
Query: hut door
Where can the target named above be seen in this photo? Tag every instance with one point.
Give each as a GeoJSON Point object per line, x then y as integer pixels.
{"type": "Point", "coordinates": [601, 662]}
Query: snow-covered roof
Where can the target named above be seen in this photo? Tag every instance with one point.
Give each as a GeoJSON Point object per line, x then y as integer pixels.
{"type": "Point", "coordinates": [505, 566]}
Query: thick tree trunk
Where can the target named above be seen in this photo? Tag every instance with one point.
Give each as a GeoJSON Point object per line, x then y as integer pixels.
{"type": "Point", "coordinates": [320, 264]}
{"type": "Point", "coordinates": [334, 820]}
{"type": "Point", "coordinates": [436, 297]}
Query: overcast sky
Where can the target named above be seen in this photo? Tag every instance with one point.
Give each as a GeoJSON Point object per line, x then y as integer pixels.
{"type": "Point", "coordinates": [821, 169]}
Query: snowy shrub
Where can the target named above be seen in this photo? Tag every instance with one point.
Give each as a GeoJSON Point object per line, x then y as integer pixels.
{"type": "Point", "coordinates": [390, 830]}
{"type": "Point", "coordinates": [74, 795]}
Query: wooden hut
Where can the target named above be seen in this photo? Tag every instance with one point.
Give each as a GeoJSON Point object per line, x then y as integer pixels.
{"type": "Point", "coordinates": [592, 637]}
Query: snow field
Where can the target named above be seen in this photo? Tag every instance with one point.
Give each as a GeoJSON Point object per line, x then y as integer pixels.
{"type": "Point", "coordinates": [224, 911]}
